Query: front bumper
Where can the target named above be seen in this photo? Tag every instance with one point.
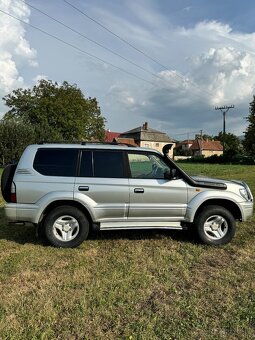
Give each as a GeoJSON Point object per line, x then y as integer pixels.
{"type": "Point", "coordinates": [247, 210]}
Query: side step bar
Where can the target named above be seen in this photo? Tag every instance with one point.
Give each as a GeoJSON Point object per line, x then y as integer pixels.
{"type": "Point", "coordinates": [140, 225]}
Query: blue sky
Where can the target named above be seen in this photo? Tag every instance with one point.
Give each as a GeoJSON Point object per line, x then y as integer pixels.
{"type": "Point", "coordinates": [204, 49]}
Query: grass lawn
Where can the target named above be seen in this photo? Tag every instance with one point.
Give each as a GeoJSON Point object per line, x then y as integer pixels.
{"type": "Point", "coordinates": [130, 285]}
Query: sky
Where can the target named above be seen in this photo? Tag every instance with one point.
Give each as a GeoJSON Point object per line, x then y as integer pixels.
{"type": "Point", "coordinates": [162, 61]}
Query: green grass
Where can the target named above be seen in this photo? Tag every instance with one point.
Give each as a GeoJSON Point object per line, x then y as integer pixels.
{"type": "Point", "coordinates": [130, 285]}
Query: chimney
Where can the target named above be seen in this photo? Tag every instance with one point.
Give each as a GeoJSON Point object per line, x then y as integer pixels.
{"type": "Point", "coordinates": [146, 126]}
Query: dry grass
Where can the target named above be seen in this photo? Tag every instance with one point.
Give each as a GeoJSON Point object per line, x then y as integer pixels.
{"type": "Point", "coordinates": [131, 285]}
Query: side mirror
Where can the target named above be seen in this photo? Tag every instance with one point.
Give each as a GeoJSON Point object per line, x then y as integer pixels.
{"type": "Point", "coordinates": [173, 173]}
{"type": "Point", "coordinates": [170, 174]}
{"type": "Point", "coordinates": [167, 174]}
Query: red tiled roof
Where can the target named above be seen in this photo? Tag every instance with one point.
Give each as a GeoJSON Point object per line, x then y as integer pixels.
{"type": "Point", "coordinates": [200, 144]}
{"type": "Point", "coordinates": [125, 141]}
{"type": "Point", "coordinates": [186, 141]}
{"type": "Point", "coordinates": [109, 136]}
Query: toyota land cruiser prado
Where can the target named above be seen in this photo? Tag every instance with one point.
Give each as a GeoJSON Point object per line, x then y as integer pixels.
{"type": "Point", "coordinates": [67, 189]}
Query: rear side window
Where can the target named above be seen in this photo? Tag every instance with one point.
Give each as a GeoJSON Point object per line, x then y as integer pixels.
{"type": "Point", "coordinates": [56, 162]}
{"type": "Point", "coordinates": [108, 164]}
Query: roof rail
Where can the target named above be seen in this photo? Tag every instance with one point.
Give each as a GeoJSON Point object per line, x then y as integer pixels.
{"type": "Point", "coordinates": [85, 143]}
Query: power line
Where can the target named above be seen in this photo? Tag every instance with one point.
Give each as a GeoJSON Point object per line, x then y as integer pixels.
{"type": "Point", "coordinates": [76, 48]}
{"type": "Point", "coordinates": [83, 51]}
{"type": "Point", "coordinates": [185, 133]}
{"type": "Point", "coordinates": [91, 40]}
{"type": "Point", "coordinates": [178, 74]}
{"type": "Point", "coordinates": [102, 46]}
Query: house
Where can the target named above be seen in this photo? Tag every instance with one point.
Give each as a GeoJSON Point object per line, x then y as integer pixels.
{"type": "Point", "coordinates": [129, 141]}
{"type": "Point", "coordinates": [183, 148]}
{"type": "Point", "coordinates": [109, 136]}
{"type": "Point", "coordinates": [145, 136]}
{"type": "Point", "coordinates": [206, 148]}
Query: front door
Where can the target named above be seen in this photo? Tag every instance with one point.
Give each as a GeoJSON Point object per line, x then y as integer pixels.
{"type": "Point", "coordinates": [152, 196]}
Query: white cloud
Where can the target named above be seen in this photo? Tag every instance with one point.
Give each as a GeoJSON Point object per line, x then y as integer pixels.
{"type": "Point", "coordinates": [9, 76]}
{"type": "Point", "coordinates": [220, 70]}
{"type": "Point", "coordinates": [122, 96]}
{"type": "Point", "coordinates": [14, 48]}
{"type": "Point", "coordinates": [40, 77]}
{"type": "Point", "coordinates": [227, 73]}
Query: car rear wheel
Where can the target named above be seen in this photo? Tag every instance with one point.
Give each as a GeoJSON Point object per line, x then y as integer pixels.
{"type": "Point", "coordinates": [66, 227]}
{"type": "Point", "coordinates": [215, 225]}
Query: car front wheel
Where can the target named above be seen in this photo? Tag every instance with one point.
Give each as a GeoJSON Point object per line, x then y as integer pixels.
{"type": "Point", "coordinates": [66, 227]}
{"type": "Point", "coordinates": [215, 225]}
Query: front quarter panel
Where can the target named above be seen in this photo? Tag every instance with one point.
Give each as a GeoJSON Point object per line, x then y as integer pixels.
{"type": "Point", "coordinates": [201, 197]}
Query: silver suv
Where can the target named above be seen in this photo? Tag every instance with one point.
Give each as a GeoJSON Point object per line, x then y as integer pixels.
{"type": "Point", "coordinates": [66, 190]}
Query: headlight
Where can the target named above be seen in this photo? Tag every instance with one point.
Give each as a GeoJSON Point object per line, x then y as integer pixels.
{"type": "Point", "coordinates": [244, 194]}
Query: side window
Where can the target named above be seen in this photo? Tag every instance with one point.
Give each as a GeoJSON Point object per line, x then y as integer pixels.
{"type": "Point", "coordinates": [86, 164]}
{"type": "Point", "coordinates": [108, 164]}
{"type": "Point", "coordinates": [147, 166]}
{"type": "Point", "coordinates": [56, 162]}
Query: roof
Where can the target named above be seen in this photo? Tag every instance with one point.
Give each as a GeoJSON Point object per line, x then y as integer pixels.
{"type": "Point", "coordinates": [121, 140]}
{"type": "Point", "coordinates": [184, 142]}
{"type": "Point", "coordinates": [200, 144]}
{"type": "Point", "coordinates": [84, 145]}
{"type": "Point", "coordinates": [144, 133]}
{"type": "Point", "coordinates": [187, 141]}
{"type": "Point", "coordinates": [109, 136]}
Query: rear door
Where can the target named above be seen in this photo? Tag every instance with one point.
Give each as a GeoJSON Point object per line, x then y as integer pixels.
{"type": "Point", "coordinates": [102, 184]}
{"type": "Point", "coordinates": [152, 196]}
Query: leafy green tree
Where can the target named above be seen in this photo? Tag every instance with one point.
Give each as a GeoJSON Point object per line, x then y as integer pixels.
{"type": "Point", "coordinates": [232, 144]}
{"type": "Point", "coordinates": [249, 136]}
{"type": "Point", "coordinates": [56, 112]}
{"type": "Point", "coordinates": [14, 137]}
{"type": "Point", "coordinates": [205, 137]}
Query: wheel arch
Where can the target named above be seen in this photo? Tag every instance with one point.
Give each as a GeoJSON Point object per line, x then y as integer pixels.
{"type": "Point", "coordinates": [227, 204]}
{"type": "Point", "coordinates": [59, 203]}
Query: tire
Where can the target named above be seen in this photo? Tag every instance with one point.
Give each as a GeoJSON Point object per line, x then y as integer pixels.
{"type": "Point", "coordinates": [215, 225]}
{"type": "Point", "coordinates": [66, 227]}
{"type": "Point", "coordinates": [6, 181]}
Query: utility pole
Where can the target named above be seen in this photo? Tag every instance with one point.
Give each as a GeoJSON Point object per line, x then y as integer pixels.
{"type": "Point", "coordinates": [224, 109]}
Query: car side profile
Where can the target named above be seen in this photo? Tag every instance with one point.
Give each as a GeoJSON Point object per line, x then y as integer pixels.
{"type": "Point", "coordinates": [66, 190]}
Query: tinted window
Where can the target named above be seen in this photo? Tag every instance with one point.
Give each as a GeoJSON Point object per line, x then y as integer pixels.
{"type": "Point", "coordinates": [56, 162]}
{"type": "Point", "coordinates": [86, 164]}
{"type": "Point", "coordinates": [108, 164]}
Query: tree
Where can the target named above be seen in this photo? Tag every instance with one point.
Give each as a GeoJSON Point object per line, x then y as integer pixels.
{"type": "Point", "coordinates": [249, 136]}
{"type": "Point", "coordinates": [56, 112]}
{"type": "Point", "coordinates": [14, 137]}
{"type": "Point", "coordinates": [232, 143]}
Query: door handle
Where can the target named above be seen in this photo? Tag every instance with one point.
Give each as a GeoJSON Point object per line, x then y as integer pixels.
{"type": "Point", "coordinates": [139, 190]}
{"type": "Point", "coordinates": [83, 188]}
